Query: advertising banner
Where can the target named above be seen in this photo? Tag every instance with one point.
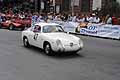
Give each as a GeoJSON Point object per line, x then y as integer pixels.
{"type": "Point", "coordinates": [90, 30]}
{"type": "Point", "coordinates": [70, 26]}
{"type": "Point", "coordinates": [108, 31]}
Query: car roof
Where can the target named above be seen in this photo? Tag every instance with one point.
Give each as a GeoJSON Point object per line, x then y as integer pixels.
{"type": "Point", "coordinates": [43, 24]}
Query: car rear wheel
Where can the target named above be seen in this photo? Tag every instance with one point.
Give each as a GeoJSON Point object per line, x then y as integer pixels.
{"type": "Point", "coordinates": [26, 42]}
{"type": "Point", "coordinates": [47, 49]}
{"type": "Point", "coordinates": [11, 27]}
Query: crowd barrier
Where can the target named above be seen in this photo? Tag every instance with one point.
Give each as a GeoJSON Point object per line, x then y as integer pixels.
{"type": "Point", "coordinates": [100, 30]}
{"type": "Point", "coordinates": [107, 31]}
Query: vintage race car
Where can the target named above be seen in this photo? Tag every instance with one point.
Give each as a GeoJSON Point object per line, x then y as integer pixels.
{"type": "Point", "coordinates": [10, 25]}
{"type": "Point", "coordinates": [51, 38]}
{"type": "Point", "coordinates": [26, 22]}
{"type": "Point", "coordinates": [13, 23]}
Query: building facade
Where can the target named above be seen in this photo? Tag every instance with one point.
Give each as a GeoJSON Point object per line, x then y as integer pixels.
{"type": "Point", "coordinates": [118, 1]}
{"type": "Point", "coordinates": [74, 6]}
{"type": "Point", "coordinates": [77, 6]}
{"type": "Point", "coordinates": [64, 6]}
{"type": "Point", "coordinates": [57, 6]}
{"type": "Point", "coordinates": [97, 4]}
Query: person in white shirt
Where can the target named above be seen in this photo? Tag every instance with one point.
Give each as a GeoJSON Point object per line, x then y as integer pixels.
{"type": "Point", "coordinates": [81, 18]}
{"type": "Point", "coordinates": [96, 19]}
{"type": "Point", "coordinates": [74, 18]}
{"type": "Point", "coordinates": [109, 19]}
{"type": "Point", "coordinates": [93, 18]}
{"type": "Point", "coordinates": [89, 19]}
{"type": "Point", "coordinates": [39, 19]}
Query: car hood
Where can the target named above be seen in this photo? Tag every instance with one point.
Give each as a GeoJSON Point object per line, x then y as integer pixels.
{"type": "Point", "coordinates": [64, 37]}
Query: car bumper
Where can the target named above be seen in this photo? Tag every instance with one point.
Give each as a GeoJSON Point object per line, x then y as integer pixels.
{"type": "Point", "coordinates": [74, 48]}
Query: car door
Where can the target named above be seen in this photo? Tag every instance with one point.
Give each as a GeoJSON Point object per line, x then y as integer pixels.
{"type": "Point", "coordinates": [39, 40]}
{"type": "Point", "coordinates": [36, 36]}
{"type": "Point", "coordinates": [32, 37]}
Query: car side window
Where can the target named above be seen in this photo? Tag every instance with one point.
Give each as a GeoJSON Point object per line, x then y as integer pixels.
{"type": "Point", "coordinates": [52, 28]}
{"type": "Point", "coordinates": [46, 29]}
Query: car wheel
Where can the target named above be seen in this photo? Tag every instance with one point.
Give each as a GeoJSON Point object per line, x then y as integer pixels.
{"type": "Point", "coordinates": [11, 27]}
{"type": "Point", "coordinates": [26, 42]}
{"type": "Point", "coordinates": [47, 49]}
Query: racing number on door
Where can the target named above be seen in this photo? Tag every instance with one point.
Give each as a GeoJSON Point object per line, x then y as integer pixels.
{"type": "Point", "coordinates": [35, 36]}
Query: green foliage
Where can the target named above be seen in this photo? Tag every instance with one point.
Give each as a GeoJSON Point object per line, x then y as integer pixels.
{"type": "Point", "coordinates": [112, 8]}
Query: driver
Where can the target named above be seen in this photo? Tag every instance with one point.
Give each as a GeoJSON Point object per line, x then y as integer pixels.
{"type": "Point", "coordinates": [37, 28]}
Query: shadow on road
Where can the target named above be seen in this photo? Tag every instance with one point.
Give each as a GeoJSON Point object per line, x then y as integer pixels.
{"type": "Point", "coordinates": [66, 55]}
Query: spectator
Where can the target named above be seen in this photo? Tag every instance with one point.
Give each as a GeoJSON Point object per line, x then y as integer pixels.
{"type": "Point", "coordinates": [40, 19]}
{"type": "Point", "coordinates": [21, 15]}
{"type": "Point", "coordinates": [96, 19]}
{"type": "Point", "coordinates": [58, 18]}
{"type": "Point", "coordinates": [109, 20]}
{"type": "Point", "coordinates": [0, 17]}
{"type": "Point", "coordinates": [70, 17]}
{"type": "Point", "coordinates": [74, 18]}
{"type": "Point", "coordinates": [80, 18]}
{"type": "Point", "coordinates": [115, 21]}
{"type": "Point", "coordinates": [89, 18]}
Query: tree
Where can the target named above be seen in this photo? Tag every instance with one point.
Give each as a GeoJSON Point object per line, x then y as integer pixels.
{"type": "Point", "coordinates": [112, 7]}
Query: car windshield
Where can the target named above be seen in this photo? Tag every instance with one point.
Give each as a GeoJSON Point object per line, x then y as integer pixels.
{"type": "Point", "coordinates": [52, 28]}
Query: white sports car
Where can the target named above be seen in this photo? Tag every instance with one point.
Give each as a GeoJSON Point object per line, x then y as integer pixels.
{"type": "Point", "coordinates": [52, 38]}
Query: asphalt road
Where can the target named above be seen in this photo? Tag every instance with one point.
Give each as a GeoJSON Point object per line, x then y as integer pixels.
{"type": "Point", "coordinates": [99, 60]}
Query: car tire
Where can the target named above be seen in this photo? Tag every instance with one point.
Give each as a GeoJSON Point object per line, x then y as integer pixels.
{"type": "Point", "coordinates": [47, 49]}
{"type": "Point", "coordinates": [26, 42]}
{"type": "Point", "coordinates": [11, 27]}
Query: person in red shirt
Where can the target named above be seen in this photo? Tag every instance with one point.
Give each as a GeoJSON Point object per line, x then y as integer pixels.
{"type": "Point", "coordinates": [115, 20]}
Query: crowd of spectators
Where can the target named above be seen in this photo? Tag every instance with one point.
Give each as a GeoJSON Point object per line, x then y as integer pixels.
{"type": "Point", "coordinates": [80, 18]}
{"type": "Point", "coordinates": [90, 18]}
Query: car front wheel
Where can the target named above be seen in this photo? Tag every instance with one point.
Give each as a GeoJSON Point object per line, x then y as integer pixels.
{"type": "Point", "coordinates": [26, 42]}
{"type": "Point", "coordinates": [47, 49]}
